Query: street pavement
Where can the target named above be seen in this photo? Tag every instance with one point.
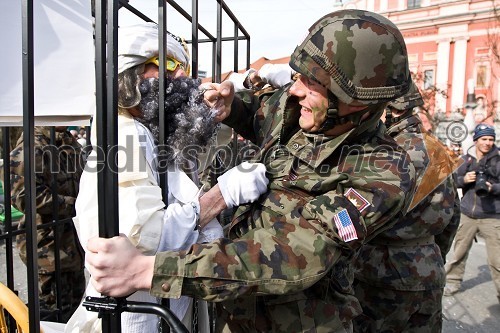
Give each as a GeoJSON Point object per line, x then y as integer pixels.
{"type": "Point", "coordinates": [475, 309]}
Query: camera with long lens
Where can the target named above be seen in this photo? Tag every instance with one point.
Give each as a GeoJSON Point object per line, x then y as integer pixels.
{"type": "Point", "coordinates": [481, 186]}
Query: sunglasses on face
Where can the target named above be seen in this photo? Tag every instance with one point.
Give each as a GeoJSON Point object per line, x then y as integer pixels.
{"type": "Point", "coordinates": [171, 64]}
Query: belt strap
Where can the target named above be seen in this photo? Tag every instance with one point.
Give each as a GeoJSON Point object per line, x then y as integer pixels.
{"type": "Point", "coordinates": [429, 240]}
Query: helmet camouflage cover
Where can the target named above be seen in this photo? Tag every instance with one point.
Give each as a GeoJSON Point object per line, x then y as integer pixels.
{"type": "Point", "coordinates": [358, 55]}
{"type": "Point", "coordinates": [409, 101]}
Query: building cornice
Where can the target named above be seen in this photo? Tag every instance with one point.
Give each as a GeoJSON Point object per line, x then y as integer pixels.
{"type": "Point", "coordinates": [439, 21]}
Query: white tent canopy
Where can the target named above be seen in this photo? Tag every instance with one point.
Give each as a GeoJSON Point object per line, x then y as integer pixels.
{"type": "Point", "coordinates": [64, 71]}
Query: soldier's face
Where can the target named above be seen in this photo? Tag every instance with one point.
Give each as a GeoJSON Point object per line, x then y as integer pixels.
{"type": "Point", "coordinates": [313, 97]}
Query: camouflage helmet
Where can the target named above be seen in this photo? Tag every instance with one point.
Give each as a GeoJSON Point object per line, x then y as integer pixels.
{"type": "Point", "coordinates": [409, 101]}
{"type": "Point", "coordinates": [358, 55]}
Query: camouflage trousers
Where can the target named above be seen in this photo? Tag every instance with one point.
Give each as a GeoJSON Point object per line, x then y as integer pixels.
{"type": "Point", "coordinates": [247, 315]}
{"type": "Point", "coordinates": [397, 311]}
{"type": "Point", "coordinates": [72, 288]}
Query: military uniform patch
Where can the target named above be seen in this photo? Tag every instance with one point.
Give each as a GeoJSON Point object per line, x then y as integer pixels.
{"type": "Point", "coordinates": [344, 225]}
{"type": "Point", "coordinates": [356, 199]}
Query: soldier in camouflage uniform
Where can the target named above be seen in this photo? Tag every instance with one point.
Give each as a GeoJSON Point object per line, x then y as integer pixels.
{"type": "Point", "coordinates": [336, 179]}
{"type": "Point", "coordinates": [67, 170]}
{"type": "Point", "coordinates": [400, 275]}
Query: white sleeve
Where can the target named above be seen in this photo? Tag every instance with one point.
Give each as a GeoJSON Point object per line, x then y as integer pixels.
{"type": "Point", "coordinates": [179, 228]}
{"type": "Point", "coordinates": [182, 215]}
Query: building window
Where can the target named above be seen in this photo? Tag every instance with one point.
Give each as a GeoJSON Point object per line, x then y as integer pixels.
{"type": "Point", "coordinates": [413, 59]}
{"type": "Point", "coordinates": [413, 4]}
{"type": "Point", "coordinates": [482, 52]}
{"type": "Point", "coordinates": [428, 78]}
{"type": "Point", "coordinates": [430, 56]}
{"type": "Point", "coordinates": [481, 76]}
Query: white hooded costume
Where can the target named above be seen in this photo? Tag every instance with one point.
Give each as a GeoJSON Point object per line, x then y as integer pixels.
{"type": "Point", "coordinates": [142, 214]}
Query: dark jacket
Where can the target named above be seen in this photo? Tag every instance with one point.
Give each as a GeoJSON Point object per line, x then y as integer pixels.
{"type": "Point", "coordinates": [473, 205]}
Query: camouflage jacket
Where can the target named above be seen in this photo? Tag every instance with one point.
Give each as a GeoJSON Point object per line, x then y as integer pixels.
{"type": "Point", "coordinates": [296, 243]}
{"type": "Point", "coordinates": [410, 255]}
{"type": "Point", "coordinates": [67, 169]}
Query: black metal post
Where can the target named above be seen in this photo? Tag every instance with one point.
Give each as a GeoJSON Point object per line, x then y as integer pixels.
{"type": "Point", "coordinates": [54, 165]}
{"type": "Point", "coordinates": [107, 127]}
{"type": "Point", "coordinates": [29, 165]}
{"type": "Point", "coordinates": [194, 38]}
{"type": "Point", "coordinates": [218, 45]}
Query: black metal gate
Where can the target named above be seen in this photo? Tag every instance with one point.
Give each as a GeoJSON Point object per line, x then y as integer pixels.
{"type": "Point", "coordinates": [106, 27]}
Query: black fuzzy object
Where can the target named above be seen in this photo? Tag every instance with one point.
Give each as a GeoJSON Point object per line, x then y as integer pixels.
{"type": "Point", "coordinates": [190, 122]}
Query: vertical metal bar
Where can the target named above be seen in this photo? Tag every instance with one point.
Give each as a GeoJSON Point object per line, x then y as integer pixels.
{"type": "Point", "coordinates": [234, 136]}
{"type": "Point", "coordinates": [162, 52]}
{"type": "Point", "coordinates": [101, 126]}
{"type": "Point", "coordinates": [163, 172]}
{"type": "Point", "coordinates": [9, 253]}
{"type": "Point", "coordinates": [29, 166]}
{"type": "Point", "coordinates": [194, 38]}
{"type": "Point", "coordinates": [111, 181]}
{"type": "Point", "coordinates": [7, 210]}
{"type": "Point", "coordinates": [248, 52]}
{"type": "Point", "coordinates": [214, 55]}
{"type": "Point", "coordinates": [235, 37]}
{"type": "Point", "coordinates": [107, 124]}
{"type": "Point", "coordinates": [54, 165]}
{"type": "Point", "coordinates": [112, 120]}
{"type": "Point", "coordinates": [218, 45]}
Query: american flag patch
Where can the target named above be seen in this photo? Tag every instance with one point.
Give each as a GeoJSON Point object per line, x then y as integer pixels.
{"type": "Point", "coordinates": [356, 199]}
{"type": "Point", "coordinates": [344, 225]}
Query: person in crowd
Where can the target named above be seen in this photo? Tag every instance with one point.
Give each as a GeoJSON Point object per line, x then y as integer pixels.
{"type": "Point", "coordinates": [74, 132]}
{"type": "Point", "coordinates": [58, 167]}
{"type": "Point", "coordinates": [336, 179]}
{"type": "Point", "coordinates": [400, 276]}
{"type": "Point", "coordinates": [479, 178]}
{"type": "Point", "coordinates": [143, 217]}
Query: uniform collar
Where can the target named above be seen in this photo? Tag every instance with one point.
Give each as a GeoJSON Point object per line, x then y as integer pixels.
{"type": "Point", "coordinates": [313, 149]}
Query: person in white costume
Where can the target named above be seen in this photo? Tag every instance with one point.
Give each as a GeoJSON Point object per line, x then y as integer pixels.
{"type": "Point", "coordinates": [189, 216]}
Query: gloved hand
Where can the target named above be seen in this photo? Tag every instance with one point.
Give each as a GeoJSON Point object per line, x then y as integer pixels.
{"type": "Point", "coordinates": [238, 79]}
{"type": "Point", "coordinates": [277, 75]}
{"type": "Point", "coordinates": [242, 184]}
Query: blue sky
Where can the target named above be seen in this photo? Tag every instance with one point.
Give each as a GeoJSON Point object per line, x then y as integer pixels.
{"type": "Point", "coordinates": [275, 26]}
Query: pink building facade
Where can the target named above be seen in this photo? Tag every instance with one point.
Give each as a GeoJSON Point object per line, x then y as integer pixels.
{"type": "Point", "coordinates": [449, 48]}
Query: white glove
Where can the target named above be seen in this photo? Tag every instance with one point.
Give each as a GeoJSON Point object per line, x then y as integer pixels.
{"type": "Point", "coordinates": [242, 184]}
{"type": "Point", "coordinates": [238, 79]}
{"type": "Point", "coordinates": [277, 75]}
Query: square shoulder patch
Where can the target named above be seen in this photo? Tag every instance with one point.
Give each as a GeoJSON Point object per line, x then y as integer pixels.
{"type": "Point", "coordinates": [356, 199]}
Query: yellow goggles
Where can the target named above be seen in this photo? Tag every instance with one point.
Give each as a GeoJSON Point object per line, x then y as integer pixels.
{"type": "Point", "coordinates": [171, 64]}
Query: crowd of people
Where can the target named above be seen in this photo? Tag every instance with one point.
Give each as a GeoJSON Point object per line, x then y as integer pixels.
{"type": "Point", "coordinates": [341, 217]}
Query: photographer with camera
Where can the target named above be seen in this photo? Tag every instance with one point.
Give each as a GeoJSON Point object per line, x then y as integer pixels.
{"type": "Point", "coordinates": [479, 178]}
